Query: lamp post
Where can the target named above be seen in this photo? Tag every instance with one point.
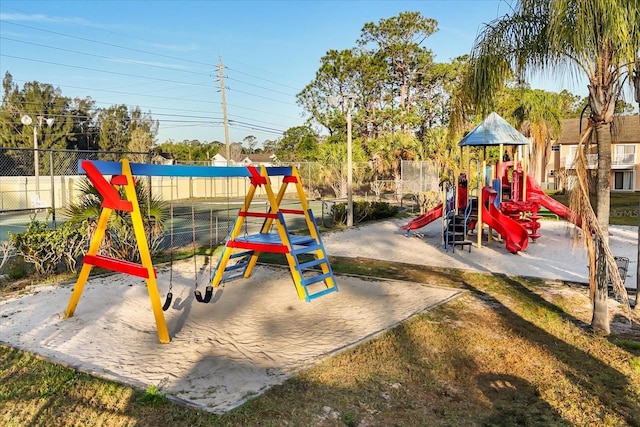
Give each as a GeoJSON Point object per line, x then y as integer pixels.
{"type": "Point", "coordinates": [349, 165]}
{"type": "Point", "coordinates": [26, 120]}
{"type": "Point", "coordinates": [347, 103]}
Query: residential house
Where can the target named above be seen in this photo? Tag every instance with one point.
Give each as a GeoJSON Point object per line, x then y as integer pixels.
{"type": "Point", "coordinates": [625, 146]}
{"type": "Point", "coordinates": [265, 159]}
{"type": "Point", "coordinates": [162, 159]}
{"type": "Point", "coordinates": [220, 160]}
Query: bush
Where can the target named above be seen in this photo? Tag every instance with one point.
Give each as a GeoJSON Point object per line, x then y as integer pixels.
{"type": "Point", "coordinates": [363, 211]}
{"type": "Point", "coordinates": [46, 248]}
{"type": "Point", "coordinates": [16, 269]}
{"type": "Point", "coordinates": [119, 237]}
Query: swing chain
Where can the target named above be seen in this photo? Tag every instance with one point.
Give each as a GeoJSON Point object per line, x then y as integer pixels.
{"type": "Point", "coordinates": [169, 298]}
{"type": "Point", "coordinates": [209, 289]}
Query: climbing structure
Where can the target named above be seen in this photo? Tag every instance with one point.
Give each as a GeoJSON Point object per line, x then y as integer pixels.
{"type": "Point", "coordinates": [306, 255]}
{"type": "Point", "coordinates": [244, 249]}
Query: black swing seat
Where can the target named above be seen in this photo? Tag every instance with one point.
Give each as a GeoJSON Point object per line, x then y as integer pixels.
{"type": "Point", "coordinates": [208, 294]}
{"type": "Point", "coordinates": [167, 301]}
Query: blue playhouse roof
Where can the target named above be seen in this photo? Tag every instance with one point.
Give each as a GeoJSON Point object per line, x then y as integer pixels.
{"type": "Point", "coordinates": [493, 130]}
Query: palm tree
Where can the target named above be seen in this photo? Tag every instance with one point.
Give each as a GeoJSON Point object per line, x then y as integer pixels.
{"type": "Point", "coordinates": [597, 39]}
{"type": "Point", "coordinates": [636, 80]}
{"type": "Point", "coordinates": [119, 239]}
{"type": "Point", "coordinates": [538, 117]}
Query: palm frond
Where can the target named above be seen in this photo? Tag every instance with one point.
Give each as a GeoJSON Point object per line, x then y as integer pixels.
{"type": "Point", "coordinates": [596, 242]}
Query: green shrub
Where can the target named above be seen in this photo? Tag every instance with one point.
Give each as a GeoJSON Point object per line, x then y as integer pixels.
{"type": "Point", "coordinates": [16, 269]}
{"type": "Point", "coordinates": [46, 248]}
{"type": "Point", "coordinates": [363, 211]}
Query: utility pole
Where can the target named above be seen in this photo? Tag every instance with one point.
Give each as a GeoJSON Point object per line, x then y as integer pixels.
{"type": "Point", "coordinates": [224, 111]}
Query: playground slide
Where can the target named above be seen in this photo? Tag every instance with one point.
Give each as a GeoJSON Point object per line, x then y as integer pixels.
{"type": "Point", "coordinates": [537, 195]}
{"type": "Point", "coordinates": [516, 237]}
{"type": "Point", "coordinates": [424, 219]}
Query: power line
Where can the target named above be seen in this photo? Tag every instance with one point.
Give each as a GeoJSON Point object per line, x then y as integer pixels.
{"type": "Point", "coordinates": [109, 44]}
{"type": "Point", "coordinates": [111, 58]}
{"type": "Point", "coordinates": [96, 69]}
{"type": "Point", "coordinates": [236, 121]}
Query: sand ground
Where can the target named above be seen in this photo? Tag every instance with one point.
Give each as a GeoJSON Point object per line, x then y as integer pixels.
{"type": "Point", "coordinates": [254, 334]}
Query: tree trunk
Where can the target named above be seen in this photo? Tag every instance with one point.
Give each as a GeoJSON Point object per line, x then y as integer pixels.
{"type": "Point", "coordinates": [600, 319]}
{"type": "Point", "coordinates": [603, 185]}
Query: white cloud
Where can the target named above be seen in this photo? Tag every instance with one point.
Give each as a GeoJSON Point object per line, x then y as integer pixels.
{"type": "Point", "coordinates": [38, 17]}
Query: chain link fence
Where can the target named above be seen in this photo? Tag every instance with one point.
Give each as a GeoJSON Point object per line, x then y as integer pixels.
{"type": "Point", "coordinates": [420, 177]}
{"type": "Point", "coordinates": [46, 179]}
{"type": "Point", "coordinates": [41, 184]}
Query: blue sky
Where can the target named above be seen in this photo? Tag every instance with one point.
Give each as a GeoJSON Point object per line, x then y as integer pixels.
{"type": "Point", "coordinates": [163, 55]}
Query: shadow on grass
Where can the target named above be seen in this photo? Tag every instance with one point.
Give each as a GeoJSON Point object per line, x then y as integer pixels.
{"type": "Point", "coordinates": [584, 370]}
{"type": "Point", "coordinates": [516, 402]}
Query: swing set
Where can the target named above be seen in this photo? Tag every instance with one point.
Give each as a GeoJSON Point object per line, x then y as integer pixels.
{"type": "Point", "coordinates": [244, 249]}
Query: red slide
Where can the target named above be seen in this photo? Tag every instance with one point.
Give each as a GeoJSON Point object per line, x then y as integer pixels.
{"type": "Point", "coordinates": [537, 195]}
{"type": "Point", "coordinates": [424, 219]}
{"type": "Point", "coordinates": [516, 237]}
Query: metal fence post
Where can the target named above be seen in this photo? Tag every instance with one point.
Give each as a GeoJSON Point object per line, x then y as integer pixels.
{"type": "Point", "coordinates": [53, 190]}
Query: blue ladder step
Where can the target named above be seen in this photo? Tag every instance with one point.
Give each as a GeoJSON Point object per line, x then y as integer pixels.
{"type": "Point", "coordinates": [306, 249]}
{"type": "Point", "coordinates": [320, 293]}
{"type": "Point", "coordinates": [237, 266]}
{"type": "Point", "coordinates": [312, 263]}
{"type": "Point", "coordinates": [315, 279]}
{"type": "Point", "coordinates": [241, 254]}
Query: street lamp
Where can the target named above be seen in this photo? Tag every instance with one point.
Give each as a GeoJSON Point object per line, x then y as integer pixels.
{"type": "Point", "coordinates": [347, 102]}
{"type": "Point", "coordinates": [26, 120]}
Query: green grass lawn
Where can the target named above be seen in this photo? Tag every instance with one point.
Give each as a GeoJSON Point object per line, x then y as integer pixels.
{"type": "Point", "coordinates": [625, 207]}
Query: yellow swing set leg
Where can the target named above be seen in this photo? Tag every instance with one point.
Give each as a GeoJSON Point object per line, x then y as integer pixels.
{"type": "Point", "coordinates": [143, 248]}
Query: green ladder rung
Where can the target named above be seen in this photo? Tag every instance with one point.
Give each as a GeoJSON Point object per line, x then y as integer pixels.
{"type": "Point", "coordinates": [312, 263]}
{"type": "Point", "coordinates": [315, 279]}
{"type": "Point", "coordinates": [320, 293]}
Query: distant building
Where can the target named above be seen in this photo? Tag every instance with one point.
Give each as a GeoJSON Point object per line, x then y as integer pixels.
{"type": "Point", "coordinates": [162, 159]}
{"type": "Point", "coordinates": [625, 145]}
{"type": "Point", "coordinates": [220, 160]}
{"type": "Point", "coordinates": [265, 159]}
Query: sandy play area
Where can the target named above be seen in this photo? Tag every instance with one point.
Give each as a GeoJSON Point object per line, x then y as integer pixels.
{"type": "Point", "coordinates": [254, 334]}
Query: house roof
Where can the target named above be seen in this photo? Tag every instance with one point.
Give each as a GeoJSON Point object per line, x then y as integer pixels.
{"type": "Point", "coordinates": [493, 130]}
{"type": "Point", "coordinates": [261, 157]}
{"type": "Point", "coordinates": [626, 129]}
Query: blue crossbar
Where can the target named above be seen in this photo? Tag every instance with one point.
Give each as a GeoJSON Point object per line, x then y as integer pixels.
{"type": "Point", "coordinates": [144, 169]}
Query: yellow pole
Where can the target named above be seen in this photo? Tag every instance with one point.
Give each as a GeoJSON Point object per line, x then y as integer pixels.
{"type": "Point", "coordinates": [145, 255]}
{"type": "Point", "coordinates": [98, 235]}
